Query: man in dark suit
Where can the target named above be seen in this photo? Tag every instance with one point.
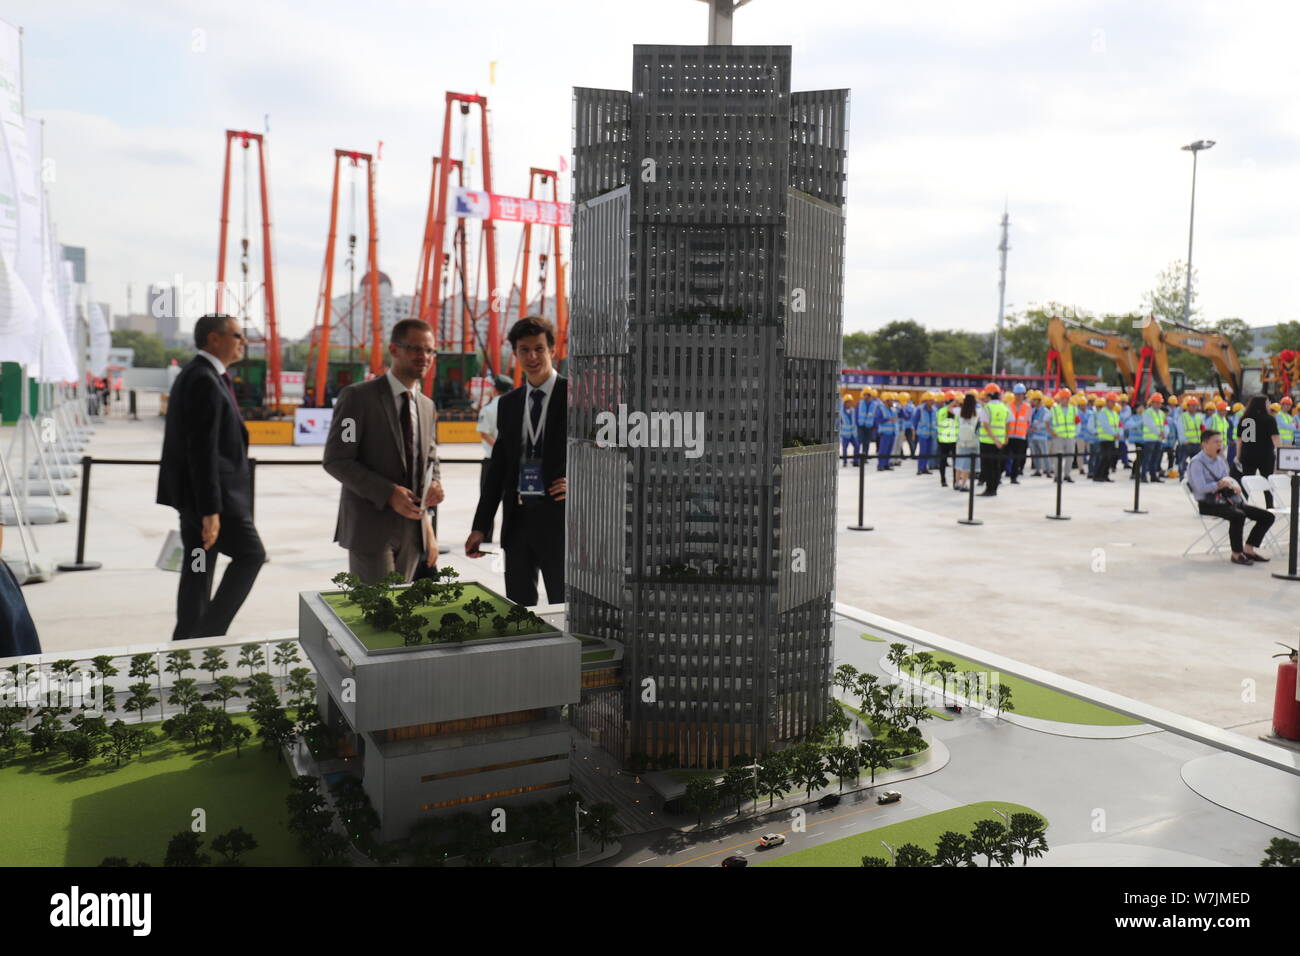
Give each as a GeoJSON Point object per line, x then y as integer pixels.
{"type": "Point", "coordinates": [526, 474]}
{"type": "Point", "coordinates": [205, 476]}
{"type": "Point", "coordinates": [382, 443]}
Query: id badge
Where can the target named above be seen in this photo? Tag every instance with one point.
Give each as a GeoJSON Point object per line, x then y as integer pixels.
{"type": "Point", "coordinates": [530, 478]}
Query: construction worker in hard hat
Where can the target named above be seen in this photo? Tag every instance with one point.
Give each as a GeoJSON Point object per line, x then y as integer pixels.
{"type": "Point", "coordinates": [946, 428]}
{"type": "Point", "coordinates": [1039, 436]}
{"type": "Point", "coordinates": [864, 417]}
{"type": "Point", "coordinates": [1130, 419]}
{"type": "Point", "coordinates": [1017, 431]}
{"type": "Point", "coordinates": [1087, 440]}
{"type": "Point", "coordinates": [1106, 426]}
{"type": "Point", "coordinates": [1286, 422]}
{"type": "Point", "coordinates": [1153, 437]}
{"type": "Point", "coordinates": [925, 434]}
{"type": "Point", "coordinates": [993, 417]}
{"type": "Point", "coordinates": [1234, 428]}
{"type": "Point", "coordinates": [886, 431]}
{"type": "Point", "coordinates": [849, 433]}
{"type": "Point", "coordinates": [1188, 424]}
{"type": "Point", "coordinates": [1063, 427]}
{"type": "Point", "coordinates": [906, 424]}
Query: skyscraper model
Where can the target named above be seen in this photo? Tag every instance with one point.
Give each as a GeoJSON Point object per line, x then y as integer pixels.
{"type": "Point", "coordinates": [708, 246]}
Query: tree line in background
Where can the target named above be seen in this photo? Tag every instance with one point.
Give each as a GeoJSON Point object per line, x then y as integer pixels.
{"type": "Point", "coordinates": [152, 352]}
{"type": "Point", "coordinates": [907, 345]}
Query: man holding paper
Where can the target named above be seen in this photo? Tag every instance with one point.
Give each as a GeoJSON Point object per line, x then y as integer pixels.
{"type": "Point", "coordinates": [383, 451]}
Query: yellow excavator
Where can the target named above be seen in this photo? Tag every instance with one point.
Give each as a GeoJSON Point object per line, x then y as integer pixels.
{"type": "Point", "coordinates": [1064, 335]}
{"type": "Point", "coordinates": [1158, 337]}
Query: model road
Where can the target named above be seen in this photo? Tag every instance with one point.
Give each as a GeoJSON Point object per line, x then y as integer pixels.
{"type": "Point", "coordinates": [1126, 791]}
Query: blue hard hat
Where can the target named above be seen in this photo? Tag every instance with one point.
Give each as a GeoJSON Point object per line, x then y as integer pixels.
{"type": "Point", "coordinates": [1019, 388]}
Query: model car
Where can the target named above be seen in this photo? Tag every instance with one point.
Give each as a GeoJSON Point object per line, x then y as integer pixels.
{"type": "Point", "coordinates": [771, 839]}
{"type": "Point", "coordinates": [828, 801]}
{"type": "Point", "coordinates": [735, 861]}
{"type": "Point", "coordinates": [889, 796]}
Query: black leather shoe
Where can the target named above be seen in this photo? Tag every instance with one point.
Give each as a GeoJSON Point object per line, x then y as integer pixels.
{"type": "Point", "coordinates": [1257, 557]}
{"type": "Point", "coordinates": [1242, 559]}
{"type": "Point", "coordinates": [987, 494]}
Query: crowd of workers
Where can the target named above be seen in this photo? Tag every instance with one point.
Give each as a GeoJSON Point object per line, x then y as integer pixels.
{"type": "Point", "coordinates": [1094, 434]}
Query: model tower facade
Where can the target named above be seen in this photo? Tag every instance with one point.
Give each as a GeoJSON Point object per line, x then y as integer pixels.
{"type": "Point", "coordinates": [705, 342]}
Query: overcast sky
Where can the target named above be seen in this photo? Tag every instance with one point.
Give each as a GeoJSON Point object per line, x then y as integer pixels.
{"type": "Point", "coordinates": [1072, 113]}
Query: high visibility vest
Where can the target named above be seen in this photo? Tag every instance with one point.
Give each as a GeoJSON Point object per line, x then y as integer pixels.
{"type": "Point", "coordinates": [1218, 423]}
{"type": "Point", "coordinates": [1153, 425]}
{"type": "Point", "coordinates": [1286, 427]}
{"type": "Point", "coordinates": [997, 427]}
{"type": "Point", "coordinates": [1063, 422]}
{"type": "Point", "coordinates": [1107, 424]}
{"type": "Point", "coordinates": [1191, 427]}
{"type": "Point", "coordinates": [946, 422]}
{"type": "Point", "coordinates": [1018, 424]}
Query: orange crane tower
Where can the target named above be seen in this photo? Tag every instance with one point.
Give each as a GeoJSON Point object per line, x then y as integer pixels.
{"type": "Point", "coordinates": [324, 308]}
{"type": "Point", "coordinates": [270, 335]}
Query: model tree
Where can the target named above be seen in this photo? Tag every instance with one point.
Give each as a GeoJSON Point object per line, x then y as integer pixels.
{"type": "Point", "coordinates": [185, 849]}
{"type": "Point", "coordinates": [953, 849]}
{"type": "Point", "coordinates": [226, 689]}
{"type": "Point", "coordinates": [874, 755]}
{"type": "Point", "coordinates": [909, 854]}
{"type": "Point", "coordinates": [123, 743]}
{"type": "Point", "coordinates": [78, 747]}
{"type": "Point", "coordinates": [141, 699]}
{"type": "Point", "coordinates": [1002, 698]}
{"type": "Point", "coordinates": [103, 665]}
{"type": "Point", "coordinates": [773, 777]}
{"type": "Point", "coordinates": [185, 694]}
{"type": "Point", "coordinates": [251, 656]}
{"type": "Point", "coordinates": [874, 861]}
{"type": "Point", "coordinates": [286, 653]}
{"type": "Point", "coordinates": [990, 839]}
{"type": "Point", "coordinates": [144, 666]}
{"type": "Point", "coordinates": [808, 769]}
{"type": "Point", "coordinates": [844, 763]}
{"type": "Point", "coordinates": [1281, 852]}
{"type": "Point", "coordinates": [1027, 836]}
{"type": "Point", "coordinates": [701, 796]}
{"type": "Point", "coordinates": [601, 824]}
{"type": "Point", "coordinates": [178, 662]}
{"type": "Point", "coordinates": [239, 736]}
{"type": "Point", "coordinates": [232, 843]}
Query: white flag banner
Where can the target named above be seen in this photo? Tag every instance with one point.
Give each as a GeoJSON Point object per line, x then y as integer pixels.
{"type": "Point", "coordinates": [59, 364]}
{"type": "Point", "coordinates": [17, 317]}
{"type": "Point", "coordinates": [101, 339]}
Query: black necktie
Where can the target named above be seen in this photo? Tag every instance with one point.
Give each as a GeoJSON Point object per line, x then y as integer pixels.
{"type": "Point", "coordinates": [537, 396]}
{"type": "Point", "coordinates": [408, 441]}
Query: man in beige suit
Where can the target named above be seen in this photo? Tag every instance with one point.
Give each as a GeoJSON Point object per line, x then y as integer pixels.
{"type": "Point", "coordinates": [381, 446]}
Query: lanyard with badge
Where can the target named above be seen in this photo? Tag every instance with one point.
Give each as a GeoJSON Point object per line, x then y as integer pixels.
{"type": "Point", "coordinates": [530, 468]}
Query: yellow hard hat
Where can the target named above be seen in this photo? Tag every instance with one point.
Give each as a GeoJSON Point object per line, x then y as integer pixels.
{"type": "Point", "coordinates": [1238, 407]}
{"type": "Point", "coordinates": [1049, 401]}
{"type": "Point", "coordinates": [1274, 407]}
{"type": "Point", "coordinates": [1099, 400]}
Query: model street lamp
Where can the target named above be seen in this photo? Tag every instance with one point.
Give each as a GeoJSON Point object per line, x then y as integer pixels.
{"type": "Point", "coordinates": [1192, 148]}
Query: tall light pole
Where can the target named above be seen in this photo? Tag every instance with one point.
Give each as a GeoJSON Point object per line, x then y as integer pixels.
{"type": "Point", "coordinates": [720, 12]}
{"type": "Point", "coordinates": [1192, 148]}
{"type": "Point", "coordinates": [1003, 248]}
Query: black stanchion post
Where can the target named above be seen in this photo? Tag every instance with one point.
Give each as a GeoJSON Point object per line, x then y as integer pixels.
{"type": "Point", "coordinates": [1137, 484]}
{"type": "Point", "coordinates": [252, 487]}
{"type": "Point", "coordinates": [1058, 516]}
{"type": "Point", "coordinates": [862, 490]}
{"type": "Point", "coordinates": [970, 498]}
{"type": "Point", "coordinates": [134, 416]}
{"type": "Point", "coordinates": [81, 564]}
{"type": "Point", "coordinates": [1291, 574]}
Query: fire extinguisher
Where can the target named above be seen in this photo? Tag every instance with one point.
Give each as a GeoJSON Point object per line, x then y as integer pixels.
{"type": "Point", "coordinates": [1286, 709]}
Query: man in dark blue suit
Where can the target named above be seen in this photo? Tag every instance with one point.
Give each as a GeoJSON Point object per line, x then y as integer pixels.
{"type": "Point", "coordinates": [205, 476]}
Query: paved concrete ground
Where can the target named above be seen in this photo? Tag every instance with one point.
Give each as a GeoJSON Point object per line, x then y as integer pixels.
{"type": "Point", "coordinates": [1104, 598]}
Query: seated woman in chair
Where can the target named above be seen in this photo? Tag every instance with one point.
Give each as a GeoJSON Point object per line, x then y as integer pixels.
{"type": "Point", "coordinates": [1218, 494]}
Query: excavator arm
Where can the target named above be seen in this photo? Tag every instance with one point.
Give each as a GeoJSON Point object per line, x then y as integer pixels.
{"type": "Point", "coordinates": [1212, 345]}
{"type": "Point", "coordinates": [1063, 335]}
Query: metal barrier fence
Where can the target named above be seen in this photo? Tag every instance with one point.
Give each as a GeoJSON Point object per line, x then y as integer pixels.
{"type": "Point", "coordinates": [81, 564]}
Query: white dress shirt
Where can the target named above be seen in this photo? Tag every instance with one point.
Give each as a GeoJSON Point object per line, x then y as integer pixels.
{"type": "Point", "coordinates": [216, 362]}
{"type": "Point", "coordinates": [546, 388]}
{"type": "Point", "coordinates": [398, 388]}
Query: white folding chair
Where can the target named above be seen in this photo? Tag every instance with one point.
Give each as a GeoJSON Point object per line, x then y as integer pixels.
{"type": "Point", "coordinates": [1255, 486]}
{"type": "Point", "coordinates": [1214, 530]}
{"type": "Point", "coordinates": [1281, 493]}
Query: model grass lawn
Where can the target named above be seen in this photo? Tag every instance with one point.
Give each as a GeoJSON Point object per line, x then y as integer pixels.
{"type": "Point", "coordinates": [922, 831]}
{"type": "Point", "coordinates": [374, 638]}
{"type": "Point", "coordinates": [60, 815]}
{"type": "Point", "coordinates": [1030, 699]}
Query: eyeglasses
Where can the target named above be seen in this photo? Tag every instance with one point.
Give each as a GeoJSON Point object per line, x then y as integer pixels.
{"type": "Point", "coordinates": [418, 349]}
{"type": "Point", "coordinates": [236, 335]}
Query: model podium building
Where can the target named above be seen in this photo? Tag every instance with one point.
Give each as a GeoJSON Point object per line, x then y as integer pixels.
{"type": "Point", "coordinates": [708, 241]}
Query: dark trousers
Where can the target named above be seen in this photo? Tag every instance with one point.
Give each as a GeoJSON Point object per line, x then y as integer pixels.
{"type": "Point", "coordinates": [1016, 448]}
{"type": "Point", "coordinates": [199, 612]}
{"type": "Point", "coordinates": [866, 436]}
{"type": "Point", "coordinates": [533, 549]}
{"type": "Point", "coordinates": [482, 483]}
{"type": "Point", "coordinates": [946, 451]}
{"type": "Point", "coordinates": [990, 465]}
{"type": "Point", "coordinates": [1151, 451]}
{"type": "Point", "coordinates": [1236, 516]}
{"type": "Point", "coordinates": [1101, 462]}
